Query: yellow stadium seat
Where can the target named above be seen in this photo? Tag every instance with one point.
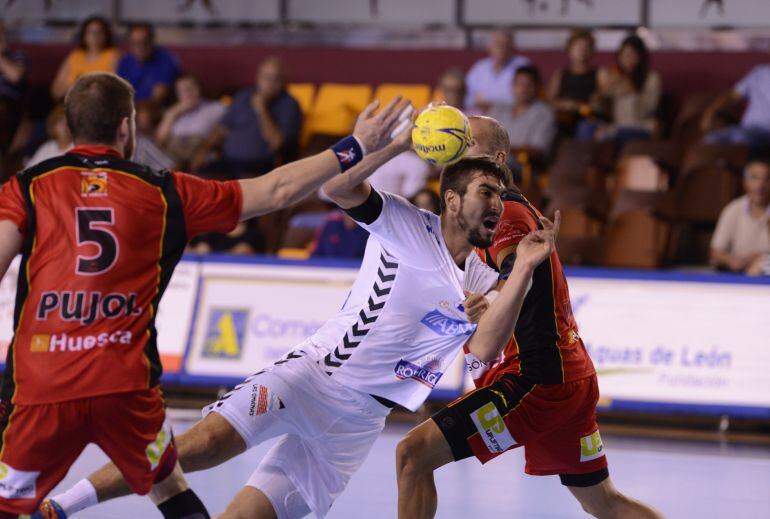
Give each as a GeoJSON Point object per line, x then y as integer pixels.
{"type": "Point", "coordinates": [303, 93]}
{"type": "Point", "coordinates": [419, 95]}
{"type": "Point", "coordinates": [336, 107]}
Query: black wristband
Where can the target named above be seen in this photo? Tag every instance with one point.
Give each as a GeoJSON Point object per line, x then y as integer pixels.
{"type": "Point", "coordinates": [348, 152]}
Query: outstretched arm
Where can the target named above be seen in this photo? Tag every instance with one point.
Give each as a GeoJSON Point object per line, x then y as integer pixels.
{"type": "Point", "coordinates": [288, 184]}
{"type": "Point", "coordinates": [498, 322]}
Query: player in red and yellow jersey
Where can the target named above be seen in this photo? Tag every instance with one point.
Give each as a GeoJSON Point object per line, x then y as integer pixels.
{"type": "Point", "coordinates": [540, 392]}
{"type": "Point", "coordinates": [100, 237]}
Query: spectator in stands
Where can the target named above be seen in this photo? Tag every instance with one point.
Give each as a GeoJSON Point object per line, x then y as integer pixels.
{"type": "Point", "coordinates": [147, 152]}
{"type": "Point", "coordinates": [13, 85]}
{"type": "Point", "coordinates": [427, 199]}
{"type": "Point", "coordinates": [246, 238]}
{"type": "Point", "coordinates": [95, 53]}
{"type": "Point", "coordinates": [339, 237]}
{"type": "Point", "coordinates": [151, 70]}
{"type": "Point", "coordinates": [186, 125]}
{"type": "Point", "coordinates": [59, 141]}
{"type": "Point", "coordinates": [742, 235]}
{"type": "Point", "coordinates": [628, 96]}
{"type": "Point", "coordinates": [530, 122]}
{"type": "Point", "coordinates": [489, 80]}
{"type": "Point", "coordinates": [754, 128]}
{"type": "Point", "coordinates": [260, 128]}
{"type": "Point", "coordinates": [451, 87]}
{"type": "Point", "coordinates": [572, 88]}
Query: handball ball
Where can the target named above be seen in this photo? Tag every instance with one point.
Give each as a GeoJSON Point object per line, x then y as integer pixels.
{"type": "Point", "coordinates": [441, 135]}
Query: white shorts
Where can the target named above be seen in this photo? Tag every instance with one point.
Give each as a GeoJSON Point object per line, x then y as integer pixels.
{"type": "Point", "coordinates": [327, 429]}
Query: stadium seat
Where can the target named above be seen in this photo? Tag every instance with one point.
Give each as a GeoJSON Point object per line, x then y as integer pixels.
{"type": "Point", "coordinates": [711, 177]}
{"type": "Point", "coordinates": [419, 95]}
{"type": "Point", "coordinates": [647, 166]}
{"type": "Point", "coordinates": [636, 236]}
{"type": "Point", "coordinates": [336, 107]}
{"type": "Point", "coordinates": [304, 93]}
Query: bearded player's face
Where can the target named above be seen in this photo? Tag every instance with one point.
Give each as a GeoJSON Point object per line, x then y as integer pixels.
{"type": "Point", "coordinates": [480, 210]}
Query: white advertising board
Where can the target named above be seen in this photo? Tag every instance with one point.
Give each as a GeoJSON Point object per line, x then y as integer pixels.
{"type": "Point", "coordinates": [250, 315]}
{"type": "Point", "coordinates": [569, 13]}
{"type": "Point", "coordinates": [675, 342]}
{"type": "Point", "coordinates": [709, 13]}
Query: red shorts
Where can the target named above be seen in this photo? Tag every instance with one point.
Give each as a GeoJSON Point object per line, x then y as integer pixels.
{"type": "Point", "coordinates": [556, 424]}
{"type": "Point", "coordinates": [39, 443]}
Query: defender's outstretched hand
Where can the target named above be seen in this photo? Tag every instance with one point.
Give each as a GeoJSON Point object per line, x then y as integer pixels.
{"type": "Point", "coordinates": [538, 245]}
{"type": "Point", "coordinates": [374, 130]}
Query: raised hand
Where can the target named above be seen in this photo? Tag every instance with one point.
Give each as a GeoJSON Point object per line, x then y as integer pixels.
{"type": "Point", "coordinates": [374, 130]}
{"type": "Point", "coordinates": [538, 245]}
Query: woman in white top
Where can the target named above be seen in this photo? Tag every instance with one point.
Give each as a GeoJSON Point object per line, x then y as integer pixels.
{"type": "Point", "coordinates": [60, 139]}
{"type": "Point", "coordinates": [187, 123]}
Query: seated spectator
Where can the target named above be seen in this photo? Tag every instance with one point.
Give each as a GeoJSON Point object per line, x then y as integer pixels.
{"type": "Point", "coordinates": [530, 122]}
{"type": "Point", "coordinates": [427, 199]}
{"type": "Point", "coordinates": [260, 128]}
{"type": "Point", "coordinates": [186, 125]}
{"type": "Point", "coordinates": [13, 85]}
{"type": "Point", "coordinates": [628, 96]}
{"type": "Point", "coordinates": [339, 237]}
{"type": "Point", "coordinates": [572, 88]}
{"type": "Point", "coordinates": [246, 238]}
{"type": "Point", "coordinates": [489, 80]}
{"type": "Point", "coordinates": [451, 86]}
{"type": "Point", "coordinates": [742, 235]}
{"type": "Point", "coordinates": [147, 152]}
{"type": "Point", "coordinates": [60, 139]}
{"type": "Point", "coordinates": [95, 53]}
{"type": "Point", "coordinates": [150, 69]}
{"type": "Point", "coordinates": [754, 128]}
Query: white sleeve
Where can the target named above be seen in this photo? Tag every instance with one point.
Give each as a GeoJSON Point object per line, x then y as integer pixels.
{"type": "Point", "coordinates": [404, 230]}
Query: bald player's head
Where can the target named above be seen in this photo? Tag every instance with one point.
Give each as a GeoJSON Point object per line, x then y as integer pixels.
{"type": "Point", "coordinates": [489, 138]}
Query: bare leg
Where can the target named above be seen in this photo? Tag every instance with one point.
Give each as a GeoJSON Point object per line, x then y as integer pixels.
{"type": "Point", "coordinates": [208, 443]}
{"type": "Point", "coordinates": [249, 503]}
{"type": "Point", "coordinates": [423, 450]}
{"type": "Point", "coordinates": [604, 501]}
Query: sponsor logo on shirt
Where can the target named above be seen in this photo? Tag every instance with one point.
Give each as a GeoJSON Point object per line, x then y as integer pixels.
{"type": "Point", "coordinates": [17, 484]}
{"type": "Point", "coordinates": [93, 184]}
{"type": "Point", "coordinates": [477, 367]}
{"type": "Point", "coordinates": [427, 374]}
{"type": "Point", "coordinates": [225, 332]}
{"type": "Point", "coordinates": [492, 428]}
{"type": "Point", "coordinates": [61, 342]}
{"type": "Point", "coordinates": [87, 307]}
{"type": "Point", "coordinates": [591, 447]}
{"type": "Point", "coordinates": [445, 325]}
{"type": "Point", "coordinates": [263, 400]}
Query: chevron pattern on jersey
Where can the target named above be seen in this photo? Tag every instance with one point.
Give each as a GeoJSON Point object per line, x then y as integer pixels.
{"type": "Point", "coordinates": [386, 276]}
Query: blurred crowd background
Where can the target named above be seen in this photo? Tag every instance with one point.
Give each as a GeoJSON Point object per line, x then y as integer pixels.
{"type": "Point", "coordinates": [652, 141]}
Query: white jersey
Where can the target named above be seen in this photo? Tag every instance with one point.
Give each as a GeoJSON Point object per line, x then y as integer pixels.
{"type": "Point", "coordinates": [403, 322]}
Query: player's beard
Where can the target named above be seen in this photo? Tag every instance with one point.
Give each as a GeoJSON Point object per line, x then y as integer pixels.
{"type": "Point", "coordinates": [473, 235]}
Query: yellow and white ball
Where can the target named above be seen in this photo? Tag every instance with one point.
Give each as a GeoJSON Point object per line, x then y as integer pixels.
{"type": "Point", "coordinates": [441, 135]}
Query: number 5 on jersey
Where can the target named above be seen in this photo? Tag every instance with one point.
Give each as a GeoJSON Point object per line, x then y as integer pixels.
{"type": "Point", "coordinates": [90, 225]}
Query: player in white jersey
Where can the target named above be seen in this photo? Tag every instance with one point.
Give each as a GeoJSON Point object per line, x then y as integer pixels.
{"type": "Point", "coordinates": [400, 328]}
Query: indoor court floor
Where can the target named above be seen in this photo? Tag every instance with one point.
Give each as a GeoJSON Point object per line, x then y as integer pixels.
{"type": "Point", "coordinates": [682, 479]}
